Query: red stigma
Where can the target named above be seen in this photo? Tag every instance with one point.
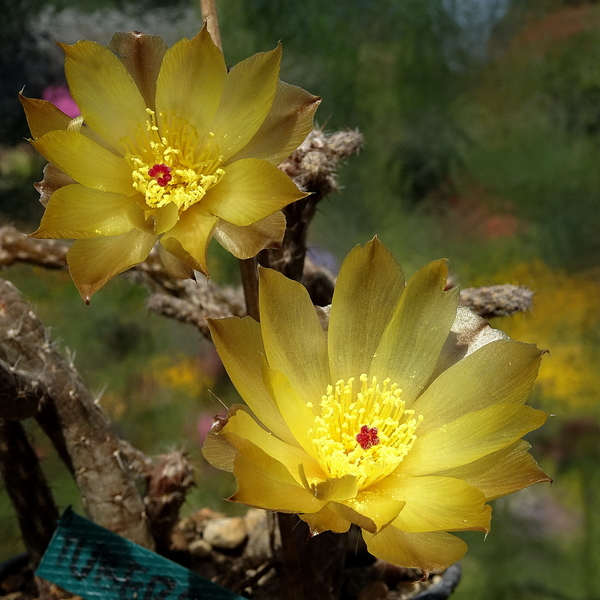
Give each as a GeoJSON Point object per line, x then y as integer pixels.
{"type": "Point", "coordinates": [367, 438]}
{"type": "Point", "coordinates": [161, 173]}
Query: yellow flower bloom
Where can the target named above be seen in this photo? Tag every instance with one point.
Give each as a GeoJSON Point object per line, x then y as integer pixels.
{"type": "Point", "coordinates": [404, 416]}
{"type": "Point", "coordinates": [170, 147]}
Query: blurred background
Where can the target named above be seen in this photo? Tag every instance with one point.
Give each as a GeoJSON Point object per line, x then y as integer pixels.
{"type": "Point", "coordinates": [482, 128]}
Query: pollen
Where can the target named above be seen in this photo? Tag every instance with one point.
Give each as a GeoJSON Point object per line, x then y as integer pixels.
{"type": "Point", "coordinates": [171, 163]}
{"type": "Point", "coordinates": [362, 428]}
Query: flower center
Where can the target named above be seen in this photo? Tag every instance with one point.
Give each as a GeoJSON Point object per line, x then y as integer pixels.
{"type": "Point", "coordinates": [367, 438]}
{"type": "Point", "coordinates": [161, 173]}
{"type": "Point", "coordinates": [173, 166]}
{"type": "Point", "coordinates": [365, 433]}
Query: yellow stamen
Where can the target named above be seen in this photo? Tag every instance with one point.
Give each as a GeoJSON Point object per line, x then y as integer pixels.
{"type": "Point", "coordinates": [366, 434]}
{"type": "Point", "coordinates": [193, 163]}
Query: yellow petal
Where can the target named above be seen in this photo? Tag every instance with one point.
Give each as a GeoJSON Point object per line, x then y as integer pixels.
{"type": "Point", "coordinates": [190, 237]}
{"type": "Point", "coordinates": [470, 437]}
{"type": "Point", "coordinates": [191, 82]}
{"type": "Point", "coordinates": [336, 489]}
{"type": "Point", "coordinates": [240, 347]}
{"type": "Point", "coordinates": [250, 190]}
{"type": "Point", "coordinates": [343, 511]}
{"type": "Point", "coordinates": [94, 261]}
{"type": "Point", "coordinates": [411, 343]}
{"type": "Point", "coordinates": [246, 242]}
{"type": "Point", "coordinates": [86, 162]}
{"type": "Point", "coordinates": [142, 56]}
{"type": "Point", "coordinates": [326, 520]}
{"type": "Point", "coordinates": [176, 267]}
{"type": "Point", "coordinates": [104, 91]}
{"type": "Point", "coordinates": [298, 417]}
{"type": "Point", "coordinates": [288, 123]}
{"type": "Point", "coordinates": [43, 116]}
{"type": "Point", "coordinates": [78, 212]}
{"type": "Point", "coordinates": [502, 371]}
{"type": "Point", "coordinates": [165, 218]}
{"type": "Point", "coordinates": [294, 340]}
{"type": "Point", "coordinates": [219, 452]}
{"type": "Point", "coordinates": [366, 295]}
{"type": "Point", "coordinates": [501, 473]}
{"type": "Point", "coordinates": [247, 99]}
{"type": "Point", "coordinates": [381, 509]}
{"type": "Point", "coordinates": [436, 504]}
{"type": "Point", "coordinates": [427, 551]}
{"type": "Point", "coordinates": [264, 482]}
{"type": "Point", "coordinates": [242, 427]}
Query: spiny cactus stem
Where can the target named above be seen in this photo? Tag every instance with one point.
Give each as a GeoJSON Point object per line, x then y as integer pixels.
{"type": "Point", "coordinates": [27, 488]}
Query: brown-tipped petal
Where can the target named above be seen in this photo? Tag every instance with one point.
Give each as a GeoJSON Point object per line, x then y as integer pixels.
{"type": "Point", "coordinates": [95, 261]}
{"type": "Point", "coordinates": [53, 180]}
{"type": "Point", "coordinates": [246, 242]}
{"type": "Point", "coordinates": [43, 116]}
{"type": "Point", "coordinates": [174, 265]}
{"type": "Point", "coordinates": [142, 54]}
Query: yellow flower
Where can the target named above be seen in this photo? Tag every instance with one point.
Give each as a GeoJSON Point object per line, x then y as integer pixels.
{"type": "Point", "coordinates": [171, 147]}
{"type": "Point", "coordinates": [404, 416]}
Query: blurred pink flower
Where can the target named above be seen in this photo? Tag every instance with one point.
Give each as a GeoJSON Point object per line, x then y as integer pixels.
{"type": "Point", "coordinates": [204, 425]}
{"type": "Point", "coordinates": [61, 98]}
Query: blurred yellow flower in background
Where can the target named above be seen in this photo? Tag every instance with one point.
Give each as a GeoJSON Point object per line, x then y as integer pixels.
{"type": "Point", "coordinates": [565, 318]}
{"type": "Point", "coordinates": [169, 146]}
{"type": "Point", "coordinates": [184, 375]}
{"type": "Point", "coordinates": [401, 414]}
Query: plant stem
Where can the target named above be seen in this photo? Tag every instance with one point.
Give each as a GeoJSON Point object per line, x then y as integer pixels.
{"type": "Point", "coordinates": [247, 267]}
{"type": "Point", "coordinates": [312, 568]}
{"type": "Point", "coordinates": [209, 14]}
{"type": "Point", "coordinates": [27, 488]}
{"type": "Point", "coordinates": [248, 271]}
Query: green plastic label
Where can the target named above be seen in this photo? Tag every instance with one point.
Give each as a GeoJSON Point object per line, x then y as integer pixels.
{"type": "Point", "coordinates": [96, 564]}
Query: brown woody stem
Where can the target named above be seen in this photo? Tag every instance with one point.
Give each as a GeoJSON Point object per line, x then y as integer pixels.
{"type": "Point", "coordinates": [28, 490]}
{"type": "Point", "coordinates": [72, 419]}
{"type": "Point", "coordinates": [209, 14]}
